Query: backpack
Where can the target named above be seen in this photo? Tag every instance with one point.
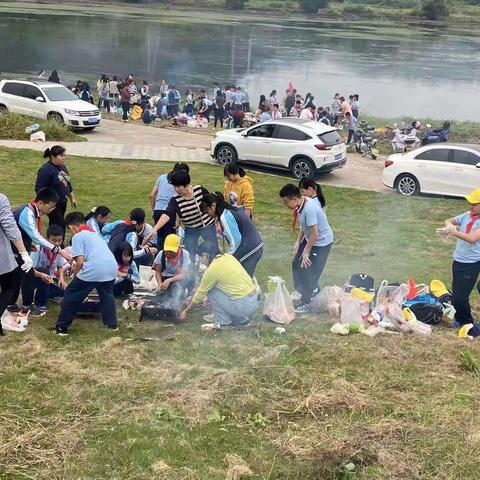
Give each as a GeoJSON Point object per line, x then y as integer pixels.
{"type": "Point", "coordinates": [171, 97]}
{"type": "Point", "coordinates": [427, 313]}
{"type": "Point", "coordinates": [362, 281]}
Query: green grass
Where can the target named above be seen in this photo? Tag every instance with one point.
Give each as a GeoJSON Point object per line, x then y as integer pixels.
{"type": "Point", "coordinates": [209, 406]}
{"type": "Point", "coordinates": [12, 127]}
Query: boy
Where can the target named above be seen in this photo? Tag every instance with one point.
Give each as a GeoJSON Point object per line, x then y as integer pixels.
{"type": "Point", "coordinates": [312, 246]}
{"type": "Point", "coordinates": [95, 267]}
{"type": "Point", "coordinates": [171, 267]}
{"type": "Point", "coordinates": [49, 279]}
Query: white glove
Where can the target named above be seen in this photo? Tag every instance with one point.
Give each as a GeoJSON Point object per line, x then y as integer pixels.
{"type": "Point", "coordinates": [27, 262]}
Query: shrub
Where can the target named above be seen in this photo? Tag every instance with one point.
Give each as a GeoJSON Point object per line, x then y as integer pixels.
{"type": "Point", "coordinates": [312, 6]}
{"type": "Point", "coordinates": [235, 4]}
{"type": "Point", "coordinates": [435, 9]}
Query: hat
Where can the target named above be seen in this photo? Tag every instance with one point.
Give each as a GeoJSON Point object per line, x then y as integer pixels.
{"type": "Point", "coordinates": [362, 295]}
{"type": "Point", "coordinates": [438, 289]}
{"type": "Point", "coordinates": [172, 243]}
{"type": "Point", "coordinates": [474, 196]}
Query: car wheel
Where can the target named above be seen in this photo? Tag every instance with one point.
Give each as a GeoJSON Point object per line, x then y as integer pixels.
{"type": "Point", "coordinates": [3, 109]}
{"type": "Point", "coordinates": [226, 155]}
{"type": "Point", "coordinates": [303, 168]}
{"type": "Point", "coordinates": [55, 117]}
{"type": "Point", "coordinates": [407, 185]}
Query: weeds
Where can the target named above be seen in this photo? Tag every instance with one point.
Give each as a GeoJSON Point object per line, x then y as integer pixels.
{"type": "Point", "coordinates": [470, 362]}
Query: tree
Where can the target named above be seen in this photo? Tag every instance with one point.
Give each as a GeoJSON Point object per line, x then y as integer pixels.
{"type": "Point", "coordinates": [435, 9]}
{"type": "Point", "coordinates": [235, 4]}
{"type": "Point", "coordinates": [312, 6]}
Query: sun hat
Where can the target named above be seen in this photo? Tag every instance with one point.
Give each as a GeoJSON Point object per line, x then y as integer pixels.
{"type": "Point", "coordinates": [172, 243]}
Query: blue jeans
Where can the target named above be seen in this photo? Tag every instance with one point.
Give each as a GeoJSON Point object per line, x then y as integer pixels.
{"type": "Point", "coordinates": [231, 311]}
{"type": "Point", "coordinates": [45, 291]}
{"type": "Point", "coordinates": [77, 292]}
{"type": "Point", "coordinates": [209, 244]}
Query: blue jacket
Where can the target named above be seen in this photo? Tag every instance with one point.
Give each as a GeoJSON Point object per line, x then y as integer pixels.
{"type": "Point", "coordinates": [56, 178]}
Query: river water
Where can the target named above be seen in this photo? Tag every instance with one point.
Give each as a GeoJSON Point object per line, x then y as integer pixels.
{"type": "Point", "coordinates": [397, 70]}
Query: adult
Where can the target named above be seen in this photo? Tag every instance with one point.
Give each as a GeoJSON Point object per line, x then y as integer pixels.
{"type": "Point", "coordinates": [345, 107]}
{"type": "Point", "coordinates": [262, 103]}
{"type": "Point", "coordinates": [160, 196]}
{"type": "Point", "coordinates": [352, 125]}
{"type": "Point", "coordinates": [230, 292]}
{"type": "Point", "coordinates": [238, 189]}
{"type": "Point", "coordinates": [238, 116]}
{"type": "Point", "coordinates": [114, 92]}
{"type": "Point", "coordinates": [125, 98]}
{"type": "Point", "coordinates": [273, 97]}
{"type": "Point", "coordinates": [356, 105]}
{"type": "Point", "coordinates": [246, 101]}
{"type": "Point", "coordinates": [219, 110]}
{"type": "Point", "coordinates": [189, 101]}
{"type": "Point", "coordinates": [289, 101]}
{"type": "Point", "coordinates": [239, 97]}
{"type": "Point", "coordinates": [173, 97]}
{"type": "Point", "coordinates": [336, 106]}
{"type": "Point", "coordinates": [54, 174]}
{"type": "Point", "coordinates": [54, 77]}
{"type": "Point", "coordinates": [466, 257]}
{"type": "Point", "coordinates": [9, 274]}
{"type": "Point", "coordinates": [244, 241]}
{"type": "Point", "coordinates": [312, 246]}
{"type": "Point", "coordinates": [104, 95]}
{"type": "Point", "coordinates": [296, 110]}
{"type": "Point", "coordinates": [144, 95]}
{"type": "Point", "coordinates": [308, 113]}
{"type": "Point", "coordinates": [311, 189]}
{"type": "Point", "coordinates": [308, 99]}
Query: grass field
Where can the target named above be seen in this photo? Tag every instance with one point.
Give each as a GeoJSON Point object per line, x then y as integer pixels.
{"type": "Point", "coordinates": [249, 403]}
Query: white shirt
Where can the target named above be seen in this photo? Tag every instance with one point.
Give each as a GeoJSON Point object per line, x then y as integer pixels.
{"type": "Point", "coordinates": [306, 114]}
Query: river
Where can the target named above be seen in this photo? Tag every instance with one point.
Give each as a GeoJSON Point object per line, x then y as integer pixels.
{"type": "Point", "coordinates": [397, 70]}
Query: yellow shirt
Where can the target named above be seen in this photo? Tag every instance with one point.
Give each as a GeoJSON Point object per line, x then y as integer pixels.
{"type": "Point", "coordinates": [240, 193]}
{"type": "Point", "coordinates": [226, 273]}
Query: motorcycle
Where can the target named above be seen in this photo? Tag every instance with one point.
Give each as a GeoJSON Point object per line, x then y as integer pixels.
{"type": "Point", "coordinates": [365, 141]}
{"type": "Point", "coordinates": [438, 135]}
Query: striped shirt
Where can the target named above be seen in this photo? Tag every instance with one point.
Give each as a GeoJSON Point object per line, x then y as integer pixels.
{"type": "Point", "coordinates": [188, 209]}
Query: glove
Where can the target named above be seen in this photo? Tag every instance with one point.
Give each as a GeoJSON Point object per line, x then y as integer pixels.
{"type": "Point", "coordinates": [27, 262]}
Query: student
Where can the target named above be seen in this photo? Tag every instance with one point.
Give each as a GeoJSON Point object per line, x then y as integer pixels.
{"type": "Point", "coordinates": [230, 292]}
{"type": "Point", "coordinates": [466, 257]}
{"type": "Point", "coordinates": [355, 105]}
{"type": "Point", "coordinates": [49, 279]}
{"type": "Point", "coordinates": [238, 189]}
{"type": "Point", "coordinates": [311, 189]}
{"type": "Point", "coordinates": [125, 97]}
{"type": "Point", "coordinates": [324, 117]}
{"type": "Point", "coordinates": [312, 246]}
{"type": "Point", "coordinates": [95, 268]}
{"type": "Point", "coordinates": [296, 110]}
{"type": "Point", "coordinates": [238, 116]}
{"type": "Point", "coordinates": [9, 271]}
{"type": "Point", "coordinates": [134, 230]}
{"type": "Point", "coordinates": [276, 113]}
{"type": "Point", "coordinates": [244, 241]}
{"type": "Point", "coordinates": [219, 110]}
{"type": "Point", "coordinates": [160, 197]}
{"type": "Point", "coordinates": [127, 274]}
{"type": "Point", "coordinates": [97, 218]}
{"type": "Point", "coordinates": [171, 267]}
{"type": "Point", "coordinates": [308, 113]}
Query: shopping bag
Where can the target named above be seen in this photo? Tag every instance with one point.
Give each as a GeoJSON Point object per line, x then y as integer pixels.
{"type": "Point", "coordinates": [351, 310]}
{"type": "Point", "coordinates": [136, 113]}
{"type": "Point", "coordinates": [278, 306]}
{"type": "Point", "coordinates": [328, 300]}
{"type": "Point", "coordinates": [14, 322]}
{"type": "Point", "coordinates": [147, 280]}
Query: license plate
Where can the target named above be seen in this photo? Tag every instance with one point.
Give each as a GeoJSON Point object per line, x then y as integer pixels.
{"type": "Point", "coordinates": [92, 120]}
{"type": "Point", "coordinates": [338, 156]}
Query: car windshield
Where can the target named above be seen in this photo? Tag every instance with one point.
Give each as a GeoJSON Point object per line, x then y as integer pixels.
{"type": "Point", "coordinates": [59, 94]}
{"type": "Point", "coordinates": [330, 138]}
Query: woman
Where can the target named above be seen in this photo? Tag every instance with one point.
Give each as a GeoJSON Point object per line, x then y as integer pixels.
{"type": "Point", "coordinates": [238, 190]}
{"type": "Point", "coordinates": [127, 275]}
{"type": "Point", "coordinates": [244, 241]}
{"type": "Point", "coordinates": [9, 273]}
{"type": "Point", "coordinates": [97, 218]}
{"type": "Point", "coordinates": [160, 197]}
{"type": "Point", "coordinates": [311, 189]}
{"type": "Point", "coordinates": [262, 104]}
{"type": "Point", "coordinates": [54, 174]}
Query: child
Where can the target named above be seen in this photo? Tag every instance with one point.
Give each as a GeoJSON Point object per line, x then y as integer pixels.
{"type": "Point", "coordinates": [127, 274]}
{"type": "Point", "coordinates": [95, 268]}
{"type": "Point", "coordinates": [171, 267]}
{"type": "Point", "coordinates": [238, 189]}
{"type": "Point", "coordinates": [312, 246]}
{"type": "Point", "coordinates": [98, 217]}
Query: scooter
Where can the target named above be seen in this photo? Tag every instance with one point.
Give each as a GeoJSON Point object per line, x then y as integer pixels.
{"type": "Point", "coordinates": [438, 135]}
{"type": "Point", "coordinates": [406, 138]}
{"type": "Point", "coordinates": [365, 141]}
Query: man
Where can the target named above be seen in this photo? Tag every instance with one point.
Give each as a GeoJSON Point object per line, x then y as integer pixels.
{"type": "Point", "coordinates": [352, 124]}
{"type": "Point", "coordinates": [308, 113]}
{"type": "Point", "coordinates": [296, 110]}
{"type": "Point", "coordinates": [345, 107]}
{"type": "Point", "coordinates": [276, 113]}
{"type": "Point", "coordinates": [219, 110]}
{"type": "Point", "coordinates": [173, 97]}
{"type": "Point", "coordinates": [239, 97]}
{"type": "Point", "coordinates": [246, 101]}
{"type": "Point", "coordinates": [312, 246]}
{"type": "Point", "coordinates": [466, 257]}
{"type": "Point", "coordinates": [95, 268]}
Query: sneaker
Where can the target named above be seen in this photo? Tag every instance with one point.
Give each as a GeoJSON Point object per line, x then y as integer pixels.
{"type": "Point", "coordinates": [455, 324]}
{"type": "Point", "coordinates": [112, 328]}
{"type": "Point", "coordinates": [62, 332]}
{"type": "Point", "coordinates": [302, 308]}
{"type": "Point", "coordinates": [36, 311]}
{"type": "Point", "coordinates": [315, 292]}
{"type": "Point", "coordinates": [14, 308]}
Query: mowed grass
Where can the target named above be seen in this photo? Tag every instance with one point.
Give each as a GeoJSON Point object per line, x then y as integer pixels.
{"type": "Point", "coordinates": [193, 405]}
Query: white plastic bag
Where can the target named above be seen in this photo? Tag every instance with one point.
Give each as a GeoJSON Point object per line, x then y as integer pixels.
{"type": "Point", "coordinates": [328, 300]}
{"type": "Point", "coordinates": [351, 310]}
{"type": "Point", "coordinates": [278, 306]}
{"type": "Point", "coordinates": [391, 293]}
{"type": "Point", "coordinates": [14, 322]}
{"type": "Point", "coordinates": [147, 280]}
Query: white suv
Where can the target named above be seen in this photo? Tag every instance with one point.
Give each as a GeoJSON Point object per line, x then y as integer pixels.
{"type": "Point", "coordinates": [303, 147]}
{"type": "Point", "coordinates": [48, 100]}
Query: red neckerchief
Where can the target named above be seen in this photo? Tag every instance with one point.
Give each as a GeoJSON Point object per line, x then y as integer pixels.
{"type": "Point", "coordinates": [296, 212]}
{"type": "Point", "coordinates": [85, 228]}
{"type": "Point", "coordinates": [51, 257]}
{"type": "Point", "coordinates": [124, 267]}
{"type": "Point", "coordinates": [34, 207]}
{"type": "Point", "coordinates": [176, 260]}
{"type": "Point", "coordinates": [473, 219]}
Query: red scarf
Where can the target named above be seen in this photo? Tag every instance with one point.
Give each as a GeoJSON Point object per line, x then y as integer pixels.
{"type": "Point", "coordinates": [124, 267]}
{"type": "Point", "coordinates": [33, 206]}
{"type": "Point", "coordinates": [473, 219]}
{"type": "Point", "coordinates": [51, 258]}
{"type": "Point", "coordinates": [176, 260]}
{"type": "Point", "coordinates": [85, 228]}
{"type": "Point", "coordinates": [296, 213]}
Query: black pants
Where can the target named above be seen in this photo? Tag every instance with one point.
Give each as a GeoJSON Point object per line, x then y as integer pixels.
{"type": "Point", "coordinates": [77, 291]}
{"type": "Point", "coordinates": [167, 229]}
{"type": "Point", "coordinates": [246, 107]}
{"type": "Point", "coordinates": [57, 216]}
{"type": "Point", "coordinates": [125, 108]}
{"type": "Point", "coordinates": [125, 287]}
{"type": "Point", "coordinates": [250, 263]}
{"type": "Point", "coordinates": [305, 280]}
{"type": "Point", "coordinates": [219, 116]}
{"type": "Point", "coordinates": [9, 283]}
{"type": "Point", "coordinates": [464, 278]}
{"type": "Point", "coordinates": [21, 278]}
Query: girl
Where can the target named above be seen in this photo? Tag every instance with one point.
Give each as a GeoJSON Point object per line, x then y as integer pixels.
{"type": "Point", "coordinates": [244, 241]}
{"type": "Point", "coordinates": [238, 190]}
{"type": "Point", "coordinates": [311, 189]}
{"type": "Point", "coordinates": [273, 97]}
{"type": "Point", "coordinates": [97, 218]}
{"type": "Point", "coordinates": [188, 109]}
{"type": "Point", "coordinates": [127, 275]}
{"type": "Point", "coordinates": [262, 104]}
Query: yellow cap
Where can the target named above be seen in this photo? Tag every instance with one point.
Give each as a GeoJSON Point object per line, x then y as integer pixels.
{"type": "Point", "coordinates": [474, 196]}
{"type": "Point", "coordinates": [463, 332]}
{"type": "Point", "coordinates": [438, 288]}
{"type": "Point", "coordinates": [172, 243]}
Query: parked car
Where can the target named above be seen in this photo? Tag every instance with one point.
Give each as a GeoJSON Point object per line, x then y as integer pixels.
{"type": "Point", "coordinates": [48, 100]}
{"type": "Point", "coordinates": [303, 147]}
{"type": "Point", "coordinates": [443, 169]}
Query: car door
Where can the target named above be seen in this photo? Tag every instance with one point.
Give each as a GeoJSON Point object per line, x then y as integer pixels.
{"type": "Point", "coordinates": [465, 173]}
{"type": "Point", "coordinates": [285, 143]}
{"type": "Point", "coordinates": [254, 146]}
{"type": "Point", "coordinates": [433, 169]}
{"type": "Point", "coordinates": [33, 107]}
{"type": "Point", "coordinates": [13, 92]}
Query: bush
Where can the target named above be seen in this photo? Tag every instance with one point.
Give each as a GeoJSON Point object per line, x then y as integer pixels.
{"type": "Point", "coordinates": [235, 4]}
{"type": "Point", "coordinates": [12, 127]}
{"type": "Point", "coordinates": [312, 6]}
{"type": "Point", "coordinates": [435, 9]}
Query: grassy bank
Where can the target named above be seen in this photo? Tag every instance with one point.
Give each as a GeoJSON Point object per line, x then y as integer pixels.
{"type": "Point", "coordinates": [200, 406]}
{"type": "Point", "coordinates": [12, 127]}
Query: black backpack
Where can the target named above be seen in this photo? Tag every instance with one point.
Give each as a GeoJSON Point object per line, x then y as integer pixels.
{"type": "Point", "coordinates": [363, 281]}
{"type": "Point", "coordinates": [427, 313]}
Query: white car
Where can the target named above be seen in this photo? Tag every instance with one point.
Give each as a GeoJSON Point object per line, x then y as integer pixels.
{"type": "Point", "coordinates": [303, 147]}
{"type": "Point", "coordinates": [48, 100]}
{"type": "Point", "coordinates": [441, 168]}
